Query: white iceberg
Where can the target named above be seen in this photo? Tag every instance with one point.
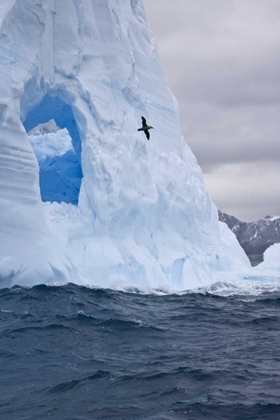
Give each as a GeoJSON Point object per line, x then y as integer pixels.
{"type": "Point", "coordinates": [143, 216]}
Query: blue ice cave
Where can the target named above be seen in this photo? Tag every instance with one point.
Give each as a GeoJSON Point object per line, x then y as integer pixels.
{"type": "Point", "coordinates": [58, 155]}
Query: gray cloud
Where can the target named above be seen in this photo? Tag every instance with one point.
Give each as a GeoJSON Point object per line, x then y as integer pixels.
{"type": "Point", "coordinates": [222, 62]}
{"type": "Point", "coordinates": [247, 189]}
{"type": "Point", "coordinates": [220, 135]}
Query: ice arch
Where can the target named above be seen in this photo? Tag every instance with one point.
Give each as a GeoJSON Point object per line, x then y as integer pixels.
{"type": "Point", "coordinates": [58, 154]}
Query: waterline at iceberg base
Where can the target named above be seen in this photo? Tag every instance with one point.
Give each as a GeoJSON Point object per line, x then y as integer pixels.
{"type": "Point", "coordinates": [141, 215]}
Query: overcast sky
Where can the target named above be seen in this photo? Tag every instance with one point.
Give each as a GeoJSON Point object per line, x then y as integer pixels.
{"type": "Point", "coordinates": [222, 62]}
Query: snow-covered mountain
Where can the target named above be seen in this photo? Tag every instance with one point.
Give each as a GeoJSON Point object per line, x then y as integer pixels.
{"type": "Point", "coordinates": [254, 237]}
{"type": "Point", "coordinates": [140, 215]}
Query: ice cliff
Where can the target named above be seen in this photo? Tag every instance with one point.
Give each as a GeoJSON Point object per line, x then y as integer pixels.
{"type": "Point", "coordinates": [141, 215]}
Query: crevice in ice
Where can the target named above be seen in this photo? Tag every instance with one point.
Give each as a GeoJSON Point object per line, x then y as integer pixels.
{"type": "Point", "coordinates": [58, 152]}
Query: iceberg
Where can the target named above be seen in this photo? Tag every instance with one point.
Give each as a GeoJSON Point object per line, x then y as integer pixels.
{"type": "Point", "coordinates": [48, 127]}
{"type": "Point", "coordinates": [107, 208]}
{"type": "Point", "coordinates": [235, 258]}
{"type": "Point", "coordinates": [271, 263]}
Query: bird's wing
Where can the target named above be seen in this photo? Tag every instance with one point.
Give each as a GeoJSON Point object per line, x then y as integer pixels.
{"type": "Point", "coordinates": [147, 134]}
{"type": "Point", "coordinates": [144, 122]}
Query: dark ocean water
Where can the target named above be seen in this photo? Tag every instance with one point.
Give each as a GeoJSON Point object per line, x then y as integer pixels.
{"type": "Point", "coordinates": [73, 353]}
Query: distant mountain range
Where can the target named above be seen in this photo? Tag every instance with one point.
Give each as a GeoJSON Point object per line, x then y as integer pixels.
{"type": "Point", "coordinates": [254, 237]}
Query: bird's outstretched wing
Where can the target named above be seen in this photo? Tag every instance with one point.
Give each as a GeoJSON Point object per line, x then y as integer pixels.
{"type": "Point", "coordinates": [147, 134]}
{"type": "Point", "coordinates": [144, 122]}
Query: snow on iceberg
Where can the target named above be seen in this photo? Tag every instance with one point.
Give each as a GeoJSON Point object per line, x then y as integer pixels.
{"type": "Point", "coordinates": [143, 216]}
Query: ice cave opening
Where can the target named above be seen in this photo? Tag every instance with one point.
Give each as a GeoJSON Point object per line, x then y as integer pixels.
{"type": "Point", "coordinates": [55, 139]}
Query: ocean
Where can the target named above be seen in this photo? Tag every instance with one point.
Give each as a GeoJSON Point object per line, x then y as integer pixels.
{"type": "Point", "coordinates": [77, 353]}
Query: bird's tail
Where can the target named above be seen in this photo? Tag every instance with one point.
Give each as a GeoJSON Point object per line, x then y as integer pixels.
{"type": "Point", "coordinates": [139, 129]}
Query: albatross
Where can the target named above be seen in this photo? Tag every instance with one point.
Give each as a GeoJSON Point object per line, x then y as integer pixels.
{"type": "Point", "coordinates": [145, 128]}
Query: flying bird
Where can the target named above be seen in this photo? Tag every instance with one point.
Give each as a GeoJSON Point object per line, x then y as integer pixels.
{"type": "Point", "coordinates": [145, 128]}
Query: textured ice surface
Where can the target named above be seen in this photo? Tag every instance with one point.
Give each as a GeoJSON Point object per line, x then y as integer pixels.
{"type": "Point", "coordinates": [45, 128]}
{"type": "Point", "coordinates": [60, 170]}
{"type": "Point", "coordinates": [235, 255]}
{"type": "Point", "coordinates": [144, 217]}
